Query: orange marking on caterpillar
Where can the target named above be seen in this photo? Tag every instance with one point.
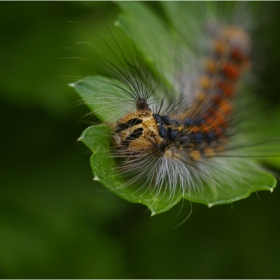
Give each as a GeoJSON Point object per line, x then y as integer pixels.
{"type": "Point", "coordinates": [231, 71]}
{"type": "Point", "coordinates": [209, 152]}
{"type": "Point", "coordinates": [205, 82]}
{"type": "Point", "coordinates": [227, 89]}
{"type": "Point", "coordinates": [226, 108]}
{"type": "Point", "coordinates": [238, 56]}
{"type": "Point", "coordinates": [211, 66]}
{"type": "Point", "coordinates": [220, 47]}
{"type": "Point", "coordinates": [195, 155]}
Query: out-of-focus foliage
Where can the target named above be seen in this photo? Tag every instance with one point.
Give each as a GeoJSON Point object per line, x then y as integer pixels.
{"type": "Point", "coordinates": [55, 222]}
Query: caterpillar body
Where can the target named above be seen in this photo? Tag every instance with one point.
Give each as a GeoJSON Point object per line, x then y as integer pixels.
{"type": "Point", "coordinates": [202, 128]}
{"type": "Point", "coordinates": [170, 147]}
{"type": "Point", "coordinates": [181, 139]}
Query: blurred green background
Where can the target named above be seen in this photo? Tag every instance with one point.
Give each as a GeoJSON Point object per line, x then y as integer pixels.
{"type": "Point", "coordinates": [55, 222]}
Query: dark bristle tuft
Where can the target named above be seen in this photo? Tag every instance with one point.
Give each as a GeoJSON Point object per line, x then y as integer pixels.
{"type": "Point", "coordinates": [142, 104]}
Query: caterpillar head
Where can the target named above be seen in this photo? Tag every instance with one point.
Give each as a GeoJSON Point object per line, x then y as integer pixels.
{"type": "Point", "coordinates": [137, 132]}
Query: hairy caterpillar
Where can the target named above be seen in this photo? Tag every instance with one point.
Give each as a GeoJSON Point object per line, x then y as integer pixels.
{"type": "Point", "coordinates": [146, 135]}
{"type": "Point", "coordinates": [176, 142]}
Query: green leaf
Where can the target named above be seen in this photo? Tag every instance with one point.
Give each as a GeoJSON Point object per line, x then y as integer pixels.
{"type": "Point", "coordinates": [103, 96]}
{"type": "Point", "coordinates": [97, 139]}
{"type": "Point", "coordinates": [248, 178]}
{"type": "Point", "coordinates": [212, 181]}
{"type": "Point", "coordinates": [149, 38]}
{"type": "Point", "coordinates": [232, 179]}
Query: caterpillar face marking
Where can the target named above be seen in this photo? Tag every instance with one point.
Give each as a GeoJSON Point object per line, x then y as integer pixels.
{"type": "Point", "coordinates": [137, 131]}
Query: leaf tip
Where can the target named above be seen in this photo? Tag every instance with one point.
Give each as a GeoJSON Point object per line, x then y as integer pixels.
{"type": "Point", "coordinates": [80, 138]}
{"type": "Point", "coordinates": [210, 205]}
{"type": "Point", "coordinates": [96, 178]}
{"type": "Point", "coordinates": [71, 85]}
{"type": "Point", "coordinates": [153, 213]}
{"type": "Point", "coordinates": [269, 189]}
